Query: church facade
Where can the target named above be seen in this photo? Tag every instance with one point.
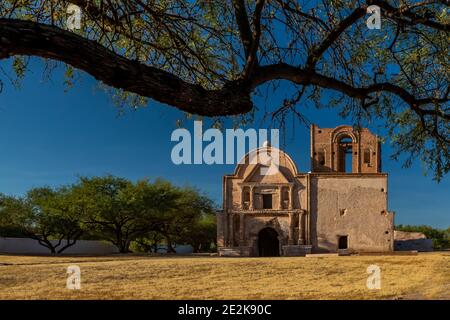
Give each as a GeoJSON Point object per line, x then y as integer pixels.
{"type": "Point", "coordinates": [339, 206]}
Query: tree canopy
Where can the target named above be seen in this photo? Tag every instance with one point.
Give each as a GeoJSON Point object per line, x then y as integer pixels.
{"type": "Point", "coordinates": [210, 57]}
{"type": "Point", "coordinates": [113, 209]}
{"type": "Point", "coordinates": [44, 214]}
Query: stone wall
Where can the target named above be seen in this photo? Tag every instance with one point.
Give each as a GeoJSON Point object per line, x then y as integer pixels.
{"type": "Point", "coordinates": [407, 241]}
{"type": "Point", "coordinates": [350, 205]}
{"type": "Point", "coordinates": [327, 155]}
{"type": "Point", "coordinates": [30, 246]}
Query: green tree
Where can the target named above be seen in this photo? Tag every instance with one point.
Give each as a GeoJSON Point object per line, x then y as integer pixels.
{"type": "Point", "coordinates": [211, 57]}
{"type": "Point", "coordinates": [157, 202]}
{"type": "Point", "coordinates": [7, 229]}
{"type": "Point", "coordinates": [149, 242]}
{"type": "Point", "coordinates": [110, 209]}
{"type": "Point", "coordinates": [45, 215]}
{"type": "Point", "coordinates": [170, 210]}
{"type": "Point", "coordinates": [185, 217]}
{"type": "Point", "coordinates": [202, 234]}
{"type": "Point", "coordinates": [11, 213]}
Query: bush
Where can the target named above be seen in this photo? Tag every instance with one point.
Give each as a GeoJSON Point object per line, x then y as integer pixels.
{"type": "Point", "coordinates": [10, 232]}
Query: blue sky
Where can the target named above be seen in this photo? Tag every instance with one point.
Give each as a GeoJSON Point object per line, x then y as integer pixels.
{"type": "Point", "coordinates": [49, 137]}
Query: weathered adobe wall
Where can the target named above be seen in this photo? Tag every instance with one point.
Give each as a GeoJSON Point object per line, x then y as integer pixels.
{"type": "Point", "coordinates": [353, 206]}
{"type": "Point", "coordinates": [369, 143]}
{"type": "Point", "coordinates": [254, 224]}
{"type": "Point", "coordinates": [220, 232]}
{"type": "Point", "coordinates": [323, 145]}
{"type": "Point", "coordinates": [234, 194]}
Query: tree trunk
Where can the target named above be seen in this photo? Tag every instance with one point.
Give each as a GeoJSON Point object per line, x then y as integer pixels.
{"type": "Point", "coordinates": [68, 243]}
{"type": "Point", "coordinates": [195, 247]}
{"type": "Point", "coordinates": [123, 248]}
{"type": "Point", "coordinates": [170, 248]}
{"type": "Point", "coordinates": [42, 241]}
{"type": "Point", "coordinates": [121, 243]}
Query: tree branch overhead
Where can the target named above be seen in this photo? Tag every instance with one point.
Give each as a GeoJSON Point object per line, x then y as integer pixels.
{"type": "Point", "coordinates": [209, 58]}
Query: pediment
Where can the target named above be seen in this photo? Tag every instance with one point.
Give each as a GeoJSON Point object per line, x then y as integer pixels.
{"type": "Point", "coordinates": [266, 174]}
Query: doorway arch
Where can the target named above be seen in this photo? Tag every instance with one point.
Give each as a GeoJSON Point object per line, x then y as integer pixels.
{"type": "Point", "coordinates": [268, 244]}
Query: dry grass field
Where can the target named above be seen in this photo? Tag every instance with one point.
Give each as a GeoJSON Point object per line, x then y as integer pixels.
{"type": "Point", "coordinates": [425, 276]}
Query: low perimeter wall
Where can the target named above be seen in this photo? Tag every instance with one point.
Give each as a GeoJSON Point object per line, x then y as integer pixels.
{"type": "Point", "coordinates": [30, 246]}
{"type": "Point", "coordinates": [82, 247]}
{"type": "Point", "coordinates": [407, 241]}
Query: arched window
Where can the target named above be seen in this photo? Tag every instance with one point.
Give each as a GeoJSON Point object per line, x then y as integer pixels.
{"type": "Point", "coordinates": [345, 154]}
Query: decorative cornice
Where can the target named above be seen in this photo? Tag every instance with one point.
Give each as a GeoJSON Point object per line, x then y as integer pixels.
{"type": "Point", "coordinates": [267, 212]}
{"type": "Point", "coordinates": [265, 185]}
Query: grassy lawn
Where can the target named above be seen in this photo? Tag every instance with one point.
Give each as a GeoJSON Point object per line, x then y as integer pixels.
{"type": "Point", "coordinates": [424, 276]}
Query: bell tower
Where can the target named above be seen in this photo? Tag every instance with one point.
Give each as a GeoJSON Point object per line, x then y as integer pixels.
{"type": "Point", "coordinates": [344, 149]}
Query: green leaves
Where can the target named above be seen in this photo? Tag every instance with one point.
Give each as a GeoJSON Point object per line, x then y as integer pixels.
{"type": "Point", "coordinates": [122, 211]}
{"type": "Point", "coordinates": [44, 214]}
{"type": "Point", "coordinates": [368, 74]}
{"type": "Point", "coordinates": [110, 208]}
{"type": "Point", "coordinates": [19, 66]}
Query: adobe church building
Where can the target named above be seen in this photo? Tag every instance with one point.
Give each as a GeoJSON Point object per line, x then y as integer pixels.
{"type": "Point", "coordinates": [273, 210]}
